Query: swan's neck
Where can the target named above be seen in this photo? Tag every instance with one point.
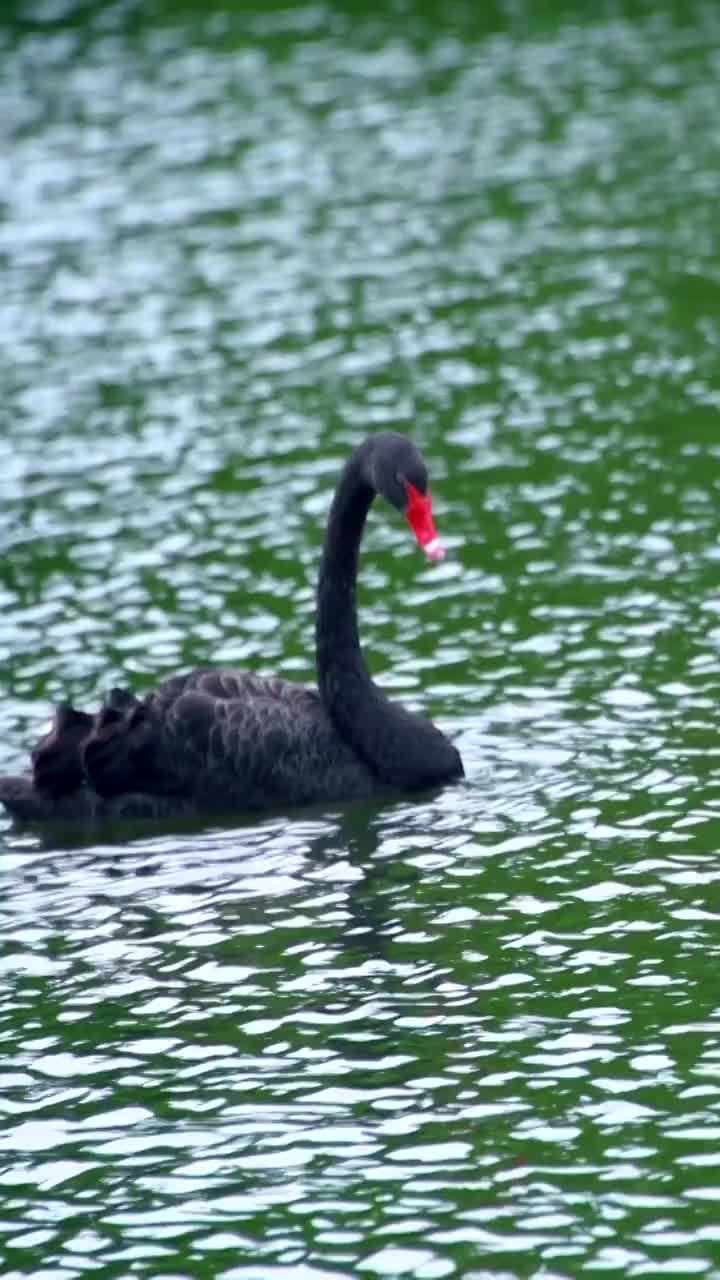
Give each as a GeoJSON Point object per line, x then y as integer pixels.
{"type": "Point", "coordinates": [342, 671]}
{"type": "Point", "coordinates": [405, 750]}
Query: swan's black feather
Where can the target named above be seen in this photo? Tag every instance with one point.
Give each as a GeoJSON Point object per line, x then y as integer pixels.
{"type": "Point", "coordinates": [56, 763]}
{"type": "Point", "coordinates": [249, 742]}
{"type": "Point", "coordinates": [210, 741]}
{"type": "Point", "coordinates": [224, 741]}
{"type": "Point", "coordinates": [228, 739]}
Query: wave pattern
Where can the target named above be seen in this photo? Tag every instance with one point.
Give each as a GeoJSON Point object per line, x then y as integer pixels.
{"type": "Point", "coordinates": [476, 1036]}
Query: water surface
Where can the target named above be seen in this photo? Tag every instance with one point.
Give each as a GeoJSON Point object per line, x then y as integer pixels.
{"type": "Point", "coordinates": [472, 1036]}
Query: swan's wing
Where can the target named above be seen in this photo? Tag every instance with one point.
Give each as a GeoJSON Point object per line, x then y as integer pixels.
{"type": "Point", "coordinates": [229, 739]}
{"type": "Point", "coordinates": [212, 740]}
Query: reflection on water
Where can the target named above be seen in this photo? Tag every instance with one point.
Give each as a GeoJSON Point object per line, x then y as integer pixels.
{"type": "Point", "coordinates": [472, 1036]}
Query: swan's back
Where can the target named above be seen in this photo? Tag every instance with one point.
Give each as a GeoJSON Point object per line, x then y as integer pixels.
{"type": "Point", "coordinates": [210, 741]}
{"type": "Point", "coordinates": [234, 736]}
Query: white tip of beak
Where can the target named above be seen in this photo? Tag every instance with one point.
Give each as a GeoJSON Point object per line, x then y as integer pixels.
{"type": "Point", "coordinates": [434, 549]}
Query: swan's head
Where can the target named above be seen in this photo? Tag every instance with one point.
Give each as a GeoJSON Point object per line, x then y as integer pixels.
{"type": "Point", "coordinates": [399, 473]}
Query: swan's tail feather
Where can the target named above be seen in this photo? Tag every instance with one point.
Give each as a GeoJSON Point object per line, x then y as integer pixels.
{"type": "Point", "coordinates": [80, 760]}
{"type": "Point", "coordinates": [89, 766]}
{"type": "Point", "coordinates": [118, 754]}
{"type": "Point", "coordinates": [56, 785]}
{"type": "Point", "coordinates": [25, 802]}
{"type": "Point", "coordinates": [56, 760]}
{"type": "Point", "coordinates": [109, 752]}
{"type": "Point", "coordinates": [22, 799]}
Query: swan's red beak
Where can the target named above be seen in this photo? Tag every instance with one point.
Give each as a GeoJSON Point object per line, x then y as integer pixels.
{"type": "Point", "coordinates": [420, 517]}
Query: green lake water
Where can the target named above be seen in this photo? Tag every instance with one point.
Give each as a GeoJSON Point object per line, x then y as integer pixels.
{"type": "Point", "coordinates": [474, 1036]}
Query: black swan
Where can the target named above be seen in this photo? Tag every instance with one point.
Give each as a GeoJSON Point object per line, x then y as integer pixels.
{"type": "Point", "coordinates": [225, 742]}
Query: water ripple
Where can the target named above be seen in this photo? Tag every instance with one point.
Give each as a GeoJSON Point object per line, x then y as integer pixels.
{"type": "Point", "coordinates": [469, 1036]}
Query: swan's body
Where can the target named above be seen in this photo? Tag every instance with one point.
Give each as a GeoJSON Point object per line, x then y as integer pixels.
{"type": "Point", "coordinates": [220, 741]}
